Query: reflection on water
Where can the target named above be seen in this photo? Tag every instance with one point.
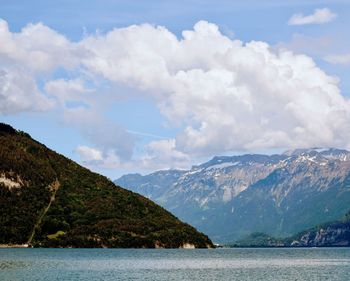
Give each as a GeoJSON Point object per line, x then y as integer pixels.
{"type": "Point", "coordinates": [221, 264]}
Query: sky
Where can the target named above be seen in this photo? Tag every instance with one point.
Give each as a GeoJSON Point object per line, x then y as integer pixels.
{"type": "Point", "coordinates": [138, 86]}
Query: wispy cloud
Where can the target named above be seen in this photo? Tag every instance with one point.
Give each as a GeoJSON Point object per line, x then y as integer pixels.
{"type": "Point", "coordinates": [319, 16]}
{"type": "Point", "coordinates": [338, 59]}
{"type": "Point", "coordinates": [146, 134]}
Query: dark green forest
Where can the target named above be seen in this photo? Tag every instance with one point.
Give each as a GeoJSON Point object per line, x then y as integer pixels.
{"type": "Point", "coordinates": [54, 202]}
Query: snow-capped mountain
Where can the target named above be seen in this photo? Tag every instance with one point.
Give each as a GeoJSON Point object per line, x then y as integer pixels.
{"type": "Point", "coordinates": [229, 197]}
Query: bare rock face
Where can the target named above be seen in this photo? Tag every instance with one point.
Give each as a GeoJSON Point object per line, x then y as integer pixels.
{"type": "Point", "coordinates": [334, 234]}
{"type": "Point", "coordinates": [230, 197]}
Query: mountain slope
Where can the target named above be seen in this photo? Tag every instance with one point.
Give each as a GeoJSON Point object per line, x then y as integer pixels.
{"type": "Point", "coordinates": [49, 200]}
{"type": "Point", "coordinates": [231, 197]}
{"type": "Point", "coordinates": [299, 194]}
{"type": "Point", "coordinates": [331, 234]}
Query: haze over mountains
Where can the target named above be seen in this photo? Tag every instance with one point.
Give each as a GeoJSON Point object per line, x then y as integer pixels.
{"type": "Point", "coordinates": [231, 197]}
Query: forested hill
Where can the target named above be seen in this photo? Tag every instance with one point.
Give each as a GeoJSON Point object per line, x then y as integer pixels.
{"type": "Point", "coordinates": [48, 200]}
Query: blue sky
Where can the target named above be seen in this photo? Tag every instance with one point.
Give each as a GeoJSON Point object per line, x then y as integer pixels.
{"type": "Point", "coordinates": [116, 100]}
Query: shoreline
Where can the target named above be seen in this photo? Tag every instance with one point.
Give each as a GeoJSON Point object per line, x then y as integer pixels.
{"type": "Point", "coordinates": [4, 246]}
{"type": "Point", "coordinates": [26, 246]}
{"type": "Point", "coordinates": [286, 247]}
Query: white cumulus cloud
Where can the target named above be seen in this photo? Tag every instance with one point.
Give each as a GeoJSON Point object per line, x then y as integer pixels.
{"type": "Point", "coordinates": [220, 94]}
{"type": "Point", "coordinates": [224, 94]}
{"type": "Point", "coordinates": [319, 16]}
{"type": "Point", "coordinates": [19, 92]}
{"type": "Point", "coordinates": [24, 56]}
{"type": "Point", "coordinates": [163, 154]}
{"type": "Point", "coordinates": [38, 48]}
{"type": "Point", "coordinates": [96, 158]}
{"type": "Point", "coordinates": [89, 154]}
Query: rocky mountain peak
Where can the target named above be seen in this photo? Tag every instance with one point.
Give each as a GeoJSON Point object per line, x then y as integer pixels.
{"type": "Point", "coordinates": [278, 194]}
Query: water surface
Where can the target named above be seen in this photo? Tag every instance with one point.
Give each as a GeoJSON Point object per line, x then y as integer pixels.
{"type": "Point", "coordinates": [146, 264]}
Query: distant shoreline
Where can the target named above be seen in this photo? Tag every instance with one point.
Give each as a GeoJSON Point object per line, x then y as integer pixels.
{"type": "Point", "coordinates": [286, 247]}
{"type": "Point", "coordinates": [3, 246]}
{"type": "Point", "coordinates": [25, 246]}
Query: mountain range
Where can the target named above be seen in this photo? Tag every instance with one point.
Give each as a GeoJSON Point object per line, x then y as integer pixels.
{"type": "Point", "coordinates": [230, 197]}
{"type": "Point", "coordinates": [48, 200]}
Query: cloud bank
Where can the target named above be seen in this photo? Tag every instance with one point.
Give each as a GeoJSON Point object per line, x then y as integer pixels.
{"type": "Point", "coordinates": [320, 16]}
{"type": "Point", "coordinates": [221, 94]}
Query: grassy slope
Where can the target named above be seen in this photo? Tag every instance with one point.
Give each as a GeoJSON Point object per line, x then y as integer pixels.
{"type": "Point", "coordinates": [87, 210]}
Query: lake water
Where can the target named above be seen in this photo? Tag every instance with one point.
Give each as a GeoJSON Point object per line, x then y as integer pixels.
{"type": "Point", "coordinates": [146, 264]}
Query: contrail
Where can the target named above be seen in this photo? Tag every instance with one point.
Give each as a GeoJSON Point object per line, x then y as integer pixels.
{"type": "Point", "coordinates": [145, 134]}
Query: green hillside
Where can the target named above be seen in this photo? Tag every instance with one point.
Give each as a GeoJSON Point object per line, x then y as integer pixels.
{"type": "Point", "coordinates": [48, 200]}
